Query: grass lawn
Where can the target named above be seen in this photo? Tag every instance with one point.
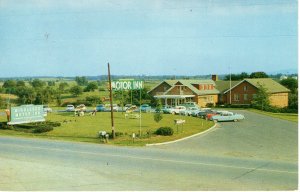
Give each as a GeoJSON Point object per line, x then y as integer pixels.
{"type": "Point", "coordinates": [86, 128]}
{"type": "Point", "coordinates": [286, 116]}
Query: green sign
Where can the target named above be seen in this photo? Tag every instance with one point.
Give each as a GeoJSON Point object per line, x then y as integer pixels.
{"type": "Point", "coordinates": [127, 85]}
{"type": "Point", "coordinates": [26, 114]}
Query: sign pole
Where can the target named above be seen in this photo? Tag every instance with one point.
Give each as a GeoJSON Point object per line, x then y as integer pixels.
{"type": "Point", "coordinates": [140, 112]}
{"type": "Point", "coordinates": [111, 104]}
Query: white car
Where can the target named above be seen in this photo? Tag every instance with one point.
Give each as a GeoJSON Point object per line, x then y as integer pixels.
{"type": "Point", "coordinates": [175, 110]}
{"type": "Point", "coordinates": [108, 107]}
{"type": "Point", "coordinates": [70, 108]}
{"type": "Point", "coordinates": [227, 116]}
{"type": "Point", "coordinates": [190, 111]}
{"type": "Point", "coordinates": [81, 107]}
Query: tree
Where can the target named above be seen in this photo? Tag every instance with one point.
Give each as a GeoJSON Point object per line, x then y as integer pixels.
{"type": "Point", "coordinates": [236, 77]}
{"type": "Point", "coordinates": [290, 83]}
{"type": "Point", "coordinates": [293, 100]}
{"type": "Point", "coordinates": [62, 86]}
{"type": "Point", "coordinates": [92, 86]}
{"type": "Point", "coordinates": [82, 81]}
{"type": "Point", "coordinates": [157, 115]}
{"type": "Point", "coordinates": [255, 75]}
{"type": "Point", "coordinates": [146, 98]}
{"type": "Point", "coordinates": [26, 95]}
{"type": "Point", "coordinates": [51, 83]}
{"type": "Point", "coordinates": [20, 83]}
{"type": "Point", "coordinates": [38, 84]}
{"type": "Point", "coordinates": [76, 90]}
{"type": "Point", "coordinates": [93, 100]}
{"type": "Point", "coordinates": [10, 86]}
{"type": "Point", "coordinates": [261, 101]}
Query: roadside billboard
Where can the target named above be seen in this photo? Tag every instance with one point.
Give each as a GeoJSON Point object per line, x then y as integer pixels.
{"type": "Point", "coordinates": [26, 114]}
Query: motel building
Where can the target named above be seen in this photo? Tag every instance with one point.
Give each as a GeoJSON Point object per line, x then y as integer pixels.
{"type": "Point", "coordinates": [213, 91]}
{"type": "Point", "coordinates": [176, 92]}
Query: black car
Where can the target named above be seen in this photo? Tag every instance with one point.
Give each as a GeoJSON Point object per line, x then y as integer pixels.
{"type": "Point", "coordinates": [202, 114]}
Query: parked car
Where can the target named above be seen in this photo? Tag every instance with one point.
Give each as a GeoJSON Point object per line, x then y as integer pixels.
{"type": "Point", "coordinates": [132, 108]}
{"type": "Point", "coordinates": [165, 109]}
{"type": "Point", "coordinates": [127, 106]}
{"type": "Point", "coordinates": [210, 114]}
{"type": "Point", "coordinates": [203, 112]}
{"type": "Point", "coordinates": [145, 108]}
{"type": "Point", "coordinates": [189, 111]}
{"type": "Point", "coordinates": [213, 113]}
{"type": "Point", "coordinates": [108, 107]}
{"type": "Point", "coordinates": [81, 107]}
{"type": "Point", "coordinates": [70, 108]}
{"type": "Point", "coordinates": [175, 110]}
{"type": "Point", "coordinates": [227, 116]}
{"type": "Point", "coordinates": [189, 104]}
{"type": "Point", "coordinates": [100, 107]}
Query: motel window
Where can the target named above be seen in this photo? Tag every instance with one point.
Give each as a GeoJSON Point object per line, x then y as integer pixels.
{"type": "Point", "coordinates": [200, 87]}
{"type": "Point", "coordinates": [245, 97]}
{"type": "Point", "coordinates": [236, 97]}
{"type": "Point", "coordinates": [205, 87]}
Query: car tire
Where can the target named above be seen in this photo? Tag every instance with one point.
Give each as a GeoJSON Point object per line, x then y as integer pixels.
{"type": "Point", "coordinates": [235, 120]}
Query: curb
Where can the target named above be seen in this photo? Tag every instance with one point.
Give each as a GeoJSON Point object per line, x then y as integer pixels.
{"type": "Point", "coordinates": [169, 142]}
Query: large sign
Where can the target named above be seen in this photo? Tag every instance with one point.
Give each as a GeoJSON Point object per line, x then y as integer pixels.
{"type": "Point", "coordinates": [26, 114]}
{"type": "Point", "coordinates": [127, 85]}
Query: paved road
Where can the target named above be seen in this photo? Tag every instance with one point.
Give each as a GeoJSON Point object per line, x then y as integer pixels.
{"type": "Point", "coordinates": [230, 157]}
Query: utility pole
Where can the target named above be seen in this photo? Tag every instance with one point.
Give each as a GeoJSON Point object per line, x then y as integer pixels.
{"type": "Point", "coordinates": [230, 84]}
{"type": "Point", "coordinates": [111, 104]}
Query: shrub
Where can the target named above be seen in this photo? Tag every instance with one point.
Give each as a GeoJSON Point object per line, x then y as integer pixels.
{"type": "Point", "coordinates": [42, 129]}
{"type": "Point", "coordinates": [165, 131]}
{"type": "Point", "coordinates": [117, 134]}
{"type": "Point", "coordinates": [53, 124]}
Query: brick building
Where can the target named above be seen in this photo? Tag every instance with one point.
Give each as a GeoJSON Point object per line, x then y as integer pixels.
{"type": "Point", "coordinates": [243, 92]}
{"type": "Point", "coordinates": [204, 92]}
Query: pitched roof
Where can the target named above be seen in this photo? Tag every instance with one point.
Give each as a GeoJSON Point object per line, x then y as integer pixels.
{"type": "Point", "coordinates": [271, 85]}
{"type": "Point", "coordinates": [223, 86]}
{"type": "Point", "coordinates": [189, 84]}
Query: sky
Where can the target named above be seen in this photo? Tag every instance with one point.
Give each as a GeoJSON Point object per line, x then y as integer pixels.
{"type": "Point", "coordinates": [147, 37]}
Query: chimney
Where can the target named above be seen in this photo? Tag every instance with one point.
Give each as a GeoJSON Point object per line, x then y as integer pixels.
{"type": "Point", "coordinates": [214, 77]}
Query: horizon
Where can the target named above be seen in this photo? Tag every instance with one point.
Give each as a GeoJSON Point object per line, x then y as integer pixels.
{"type": "Point", "coordinates": [160, 37]}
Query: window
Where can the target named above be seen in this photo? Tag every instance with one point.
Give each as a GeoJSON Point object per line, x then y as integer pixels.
{"type": "Point", "coordinates": [254, 96]}
{"type": "Point", "coordinates": [245, 97]}
{"type": "Point", "coordinates": [200, 87]}
{"type": "Point", "coordinates": [236, 97]}
{"type": "Point", "coordinates": [245, 88]}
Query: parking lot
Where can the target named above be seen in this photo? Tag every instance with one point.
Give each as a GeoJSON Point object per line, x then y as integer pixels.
{"type": "Point", "coordinates": [258, 137]}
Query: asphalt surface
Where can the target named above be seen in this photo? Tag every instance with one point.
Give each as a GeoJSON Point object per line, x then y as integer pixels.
{"type": "Point", "coordinates": [259, 153]}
